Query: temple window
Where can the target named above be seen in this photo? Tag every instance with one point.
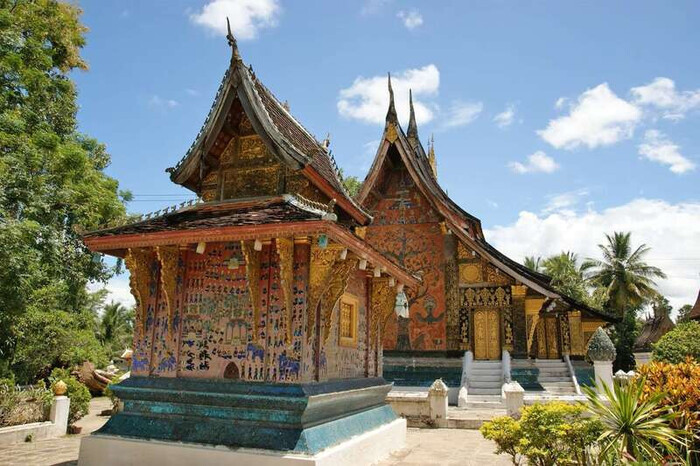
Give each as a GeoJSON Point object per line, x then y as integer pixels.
{"type": "Point", "coordinates": [348, 320]}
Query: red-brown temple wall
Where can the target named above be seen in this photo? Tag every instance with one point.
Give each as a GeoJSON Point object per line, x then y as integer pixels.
{"type": "Point", "coordinates": [407, 229]}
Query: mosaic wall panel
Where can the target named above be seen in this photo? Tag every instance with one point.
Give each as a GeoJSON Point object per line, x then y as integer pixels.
{"type": "Point", "coordinates": [407, 229]}
{"type": "Point", "coordinates": [341, 362]}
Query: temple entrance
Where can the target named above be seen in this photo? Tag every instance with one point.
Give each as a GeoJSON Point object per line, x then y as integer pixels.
{"type": "Point", "coordinates": [548, 339]}
{"type": "Point", "coordinates": [487, 334]}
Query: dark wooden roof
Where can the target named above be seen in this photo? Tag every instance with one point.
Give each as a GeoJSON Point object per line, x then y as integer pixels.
{"type": "Point", "coordinates": [284, 136]}
{"type": "Point", "coordinates": [695, 311]}
{"type": "Point", "coordinates": [241, 212]}
{"type": "Point", "coordinates": [652, 330]}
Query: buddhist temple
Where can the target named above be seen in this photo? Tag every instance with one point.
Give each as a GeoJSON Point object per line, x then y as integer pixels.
{"type": "Point", "coordinates": [259, 309]}
{"type": "Point", "coordinates": [474, 307]}
{"type": "Point", "coordinates": [695, 311]}
{"type": "Point", "coordinates": [656, 326]}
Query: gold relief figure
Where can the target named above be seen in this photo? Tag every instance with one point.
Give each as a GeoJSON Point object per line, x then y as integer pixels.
{"type": "Point", "coordinates": [322, 260]}
{"type": "Point", "coordinates": [285, 251]}
{"type": "Point", "coordinates": [252, 266]}
{"type": "Point", "coordinates": [551, 330]}
{"type": "Point", "coordinates": [169, 258]}
{"type": "Point", "coordinates": [541, 340]}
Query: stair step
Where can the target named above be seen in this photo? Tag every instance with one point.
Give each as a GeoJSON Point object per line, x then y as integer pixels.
{"type": "Point", "coordinates": [483, 391]}
{"type": "Point", "coordinates": [553, 379]}
{"type": "Point", "coordinates": [487, 364]}
{"type": "Point", "coordinates": [480, 384]}
{"type": "Point", "coordinates": [553, 371]}
{"type": "Point", "coordinates": [557, 383]}
{"type": "Point", "coordinates": [486, 376]}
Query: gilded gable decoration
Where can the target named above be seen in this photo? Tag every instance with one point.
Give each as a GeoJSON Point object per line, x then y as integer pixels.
{"type": "Point", "coordinates": [252, 266]}
{"type": "Point", "coordinates": [168, 256]}
{"type": "Point", "coordinates": [138, 262]}
{"type": "Point", "coordinates": [470, 273]}
{"type": "Point", "coordinates": [285, 251]}
{"type": "Point", "coordinates": [486, 297]}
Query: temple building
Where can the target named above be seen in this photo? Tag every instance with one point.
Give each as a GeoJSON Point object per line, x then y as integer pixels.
{"type": "Point", "coordinates": [474, 306]}
{"type": "Point", "coordinates": [259, 310]}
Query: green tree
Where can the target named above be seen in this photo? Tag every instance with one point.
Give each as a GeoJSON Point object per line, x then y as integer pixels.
{"type": "Point", "coordinates": [116, 326]}
{"type": "Point", "coordinates": [52, 179]}
{"type": "Point", "coordinates": [533, 263]}
{"type": "Point", "coordinates": [351, 183]}
{"type": "Point", "coordinates": [679, 343]}
{"type": "Point", "coordinates": [567, 275]}
{"type": "Point", "coordinates": [628, 282]}
{"type": "Point", "coordinates": [683, 312]}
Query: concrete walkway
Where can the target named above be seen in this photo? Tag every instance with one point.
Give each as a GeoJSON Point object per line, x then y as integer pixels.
{"type": "Point", "coordinates": [446, 447]}
{"type": "Point", "coordinates": [58, 451]}
{"type": "Point", "coordinates": [425, 447]}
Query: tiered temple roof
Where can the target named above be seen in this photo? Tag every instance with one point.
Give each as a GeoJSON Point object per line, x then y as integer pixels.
{"type": "Point", "coordinates": [464, 225]}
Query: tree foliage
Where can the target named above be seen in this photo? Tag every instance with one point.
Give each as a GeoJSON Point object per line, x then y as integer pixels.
{"type": "Point", "coordinates": [679, 343]}
{"type": "Point", "coordinates": [116, 326]}
{"type": "Point", "coordinates": [52, 181]}
{"type": "Point", "coordinates": [351, 183]}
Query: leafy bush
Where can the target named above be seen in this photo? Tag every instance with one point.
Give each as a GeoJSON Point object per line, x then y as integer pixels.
{"type": "Point", "coordinates": [680, 386]}
{"type": "Point", "coordinates": [23, 406]}
{"type": "Point", "coordinates": [677, 344]}
{"type": "Point", "coordinates": [77, 392]}
{"type": "Point", "coordinates": [636, 428]}
{"type": "Point", "coordinates": [546, 434]}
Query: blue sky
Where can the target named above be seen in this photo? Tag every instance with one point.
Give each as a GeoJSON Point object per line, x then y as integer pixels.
{"type": "Point", "coordinates": [554, 122]}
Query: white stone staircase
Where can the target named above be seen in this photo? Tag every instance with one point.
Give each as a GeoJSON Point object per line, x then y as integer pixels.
{"type": "Point", "coordinates": [485, 378]}
{"type": "Point", "coordinates": [554, 376]}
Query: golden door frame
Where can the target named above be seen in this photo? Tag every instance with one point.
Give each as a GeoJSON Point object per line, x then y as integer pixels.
{"type": "Point", "coordinates": [548, 338]}
{"type": "Point", "coordinates": [486, 333]}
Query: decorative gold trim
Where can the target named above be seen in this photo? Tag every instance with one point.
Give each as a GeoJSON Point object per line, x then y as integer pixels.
{"type": "Point", "coordinates": [518, 291]}
{"type": "Point", "coordinates": [252, 267]}
{"type": "Point", "coordinates": [168, 257]}
{"type": "Point", "coordinates": [138, 261]}
{"type": "Point", "coordinates": [391, 133]}
{"type": "Point", "coordinates": [322, 260]}
{"type": "Point", "coordinates": [285, 251]}
{"type": "Point", "coordinates": [361, 232]}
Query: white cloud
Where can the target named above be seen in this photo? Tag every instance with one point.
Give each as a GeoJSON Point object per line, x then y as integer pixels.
{"type": "Point", "coordinates": [158, 102]}
{"type": "Point", "coordinates": [671, 230]}
{"type": "Point", "coordinates": [539, 162]}
{"type": "Point", "coordinates": [658, 148]}
{"type": "Point", "coordinates": [411, 19]}
{"type": "Point", "coordinates": [372, 7]}
{"type": "Point", "coordinates": [462, 113]}
{"type": "Point", "coordinates": [561, 101]}
{"type": "Point", "coordinates": [661, 94]}
{"type": "Point", "coordinates": [247, 17]}
{"type": "Point", "coordinates": [118, 289]}
{"type": "Point", "coordinates": [598, 118]}
{"type": "Point", "coordinates": [565, 201]}
{"type": "Point", "coordinates": [367, 99]}
{"type": "Point", "coordinates": [506, 117]}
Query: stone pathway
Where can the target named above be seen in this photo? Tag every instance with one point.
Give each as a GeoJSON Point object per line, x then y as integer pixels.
{"type": "Point", "coordinates": [61, 451]}
{"type": "Point", "coordinates": [446, 447]}
{"type": "Point", "coordinates": [425, 447]}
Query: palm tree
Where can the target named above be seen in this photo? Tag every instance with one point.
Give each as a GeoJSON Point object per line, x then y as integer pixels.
{"type": "Point", "coordinates": [567, 275]}
{"type": "Point", "coordinates": [533, 263]}
{"type": "Point", "coordinates": [116, 327]}
{"type": "Point", "coordinates": [627, 279]}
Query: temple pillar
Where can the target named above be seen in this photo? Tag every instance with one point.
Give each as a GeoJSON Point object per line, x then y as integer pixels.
{"type": "Point", "coordinates": [519, 321]}
{"type": "Point", "coordinates": [452, 292]}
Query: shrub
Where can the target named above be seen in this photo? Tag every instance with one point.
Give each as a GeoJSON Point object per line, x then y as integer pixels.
{"type": "Point", "coordinates": [546, 434]}
{"type": "Point", "coordinates": [23, 406]}
{"type": "Point", "coordinates": [635, 428]}
{"type": "Point", "coordinates": [679, 385]}
{"type": "Point", "coordinates": [677, 344]}
{"type": "Point", "coordinates": [77, 392]}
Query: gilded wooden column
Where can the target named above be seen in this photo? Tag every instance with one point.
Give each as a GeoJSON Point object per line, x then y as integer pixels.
{"type": "Point", "coordinates": [518, 293]}
{"type": "Point", "coordinates": [452, 292]}
{"type": "Point", "coordinates": [138, 262]}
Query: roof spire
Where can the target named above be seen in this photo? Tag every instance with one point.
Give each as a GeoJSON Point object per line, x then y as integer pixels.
{"type": "Point", "coordinates": [431, 156]}
{"type": "Point", "coordinates": [391, 113]}
{"type": "Point", "coordinates": [412, 132]}
{"type": "Point", "coordinates": [235, 55]}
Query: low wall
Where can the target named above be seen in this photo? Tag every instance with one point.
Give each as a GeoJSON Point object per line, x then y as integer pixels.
{"type": "Point", "coordinates": [421, 408]}
{"type": "Point", "coordinates": [54, 427]}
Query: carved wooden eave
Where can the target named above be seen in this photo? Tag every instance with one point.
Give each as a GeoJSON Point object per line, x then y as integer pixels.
{"type": "Point", "coordinates": [383, 300]}
{"type": "Point", "coordinates": [323, 260]}
{"type": "Point", "coordinates": [138, 262]}
{"type": "Point", "coordinates": [169, 256]}
{"type": "Point", "coordinates": [340, 273]}
{"type": "Point", "coordinates": [239, 84]}
{"type": "Point", "coordinates": [118, 245]}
